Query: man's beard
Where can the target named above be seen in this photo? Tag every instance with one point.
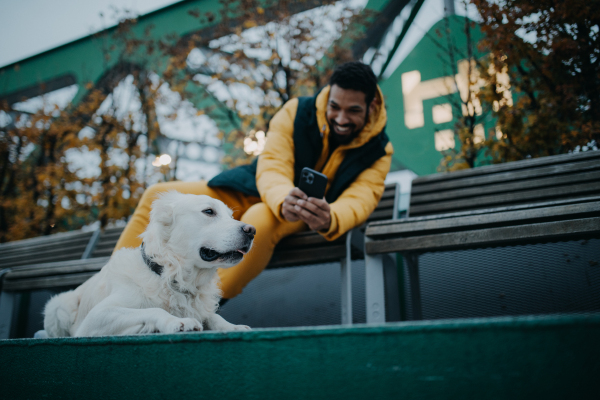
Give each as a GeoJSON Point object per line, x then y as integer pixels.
{"type": "Point", "coordinates": [338, 139]}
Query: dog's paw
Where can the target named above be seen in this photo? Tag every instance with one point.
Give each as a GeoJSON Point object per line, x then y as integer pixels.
{"type": "Point", "coordinates": [240, 328]}
{"type": "Point", "coordinates": [181, 325]}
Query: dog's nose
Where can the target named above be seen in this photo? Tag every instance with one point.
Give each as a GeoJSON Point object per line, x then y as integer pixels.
{"type": "Point", "coordinates": [249, 230]}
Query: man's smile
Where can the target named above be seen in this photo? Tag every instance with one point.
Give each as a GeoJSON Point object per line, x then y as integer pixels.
{"type": "Point", "coordinates": [343, 129]}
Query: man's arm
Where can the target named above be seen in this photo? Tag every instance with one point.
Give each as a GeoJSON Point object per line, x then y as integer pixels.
{"type": "Point", "coordinates": [275, 170]}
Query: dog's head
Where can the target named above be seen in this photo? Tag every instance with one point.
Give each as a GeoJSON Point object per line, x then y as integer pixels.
{"type": "Point", "coordinates": [196, 229]}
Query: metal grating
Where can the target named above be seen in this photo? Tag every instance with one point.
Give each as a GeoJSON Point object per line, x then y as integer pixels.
{"type": "Point", "coordinates": [297, 296]}
{"type": "Point", "coordinates": [545, 278]}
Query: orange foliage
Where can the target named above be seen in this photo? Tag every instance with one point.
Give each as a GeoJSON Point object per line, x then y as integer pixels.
{"type": "Point", "coordinates": [554, 75]}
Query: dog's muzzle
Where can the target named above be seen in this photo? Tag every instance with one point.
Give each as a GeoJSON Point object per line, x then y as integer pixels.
{"type": "Point", "coordinates": [209, 255]}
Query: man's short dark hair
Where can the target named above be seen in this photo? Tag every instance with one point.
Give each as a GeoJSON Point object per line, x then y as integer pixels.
{"type": "Point", "coordinates": [356, 76]}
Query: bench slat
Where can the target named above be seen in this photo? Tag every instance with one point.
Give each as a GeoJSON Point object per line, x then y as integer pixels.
{"type": "Point", "coordinates": [72, 250]}
{"type": "Point", "coordinates": [48, 282]}
{"type": "Point", "coordinates": [305, 239]}
{"type": "Point", "coordinates": [509, 176]}
{"type": "Point", "coordinates": [388, 194]}
{"type": "Point", "coordinates": [40, 260]}
{"type": "Point", "coordinates": [103, 252]}
{"type": "Point", "coordinates": [546, 231]}
{"type": "Point", "coordinates": [378, 215]}
{"type": "Point", "coordinates": [413, 228]}
{"type": "Point", "coordinates": [303, 257]}
{"type": "Point", "coordinates": [32, 253]}
{"type": "Point", "coordinates": [520, 166]}
{"type": "Point", "coordinates": [567, 191]}
{"type": "Point", "coordinates": [42, 240]}
{"type": "Point", "coordinates": [105, 246]}
{"type": "Point", "coordinates": [492, 210]}
{"type": "Point", "coordinates": [593, 176]}
{"type": "Point", "coordinates": [57, 268]}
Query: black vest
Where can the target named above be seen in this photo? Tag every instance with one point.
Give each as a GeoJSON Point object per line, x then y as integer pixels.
{"type": "Point", "coordinates": [308, 145]}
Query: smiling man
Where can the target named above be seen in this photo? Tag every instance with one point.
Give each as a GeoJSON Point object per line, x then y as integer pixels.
{"type": "Point", "coordinates": [340, 132]}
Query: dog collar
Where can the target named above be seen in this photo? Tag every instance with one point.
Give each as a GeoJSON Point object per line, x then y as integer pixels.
{"type": "Point", "coordinates": [154, 266]}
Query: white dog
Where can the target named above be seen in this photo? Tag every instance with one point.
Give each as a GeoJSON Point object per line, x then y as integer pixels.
{"type": "Point", "coordinates": [169, 284]}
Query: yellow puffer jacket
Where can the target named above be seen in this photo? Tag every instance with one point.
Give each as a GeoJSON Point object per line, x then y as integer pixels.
{"type": "Point", "coordinates": [275, 171]}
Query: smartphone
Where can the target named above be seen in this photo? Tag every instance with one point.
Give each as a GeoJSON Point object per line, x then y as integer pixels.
{"type": "Point", "coordinates": [312, 183]}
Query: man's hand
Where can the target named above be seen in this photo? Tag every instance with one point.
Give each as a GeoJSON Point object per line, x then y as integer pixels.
{"type": "Point", "coordinates": [314, 212]}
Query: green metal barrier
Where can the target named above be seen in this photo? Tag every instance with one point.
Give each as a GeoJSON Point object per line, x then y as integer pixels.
{"type": "Point", "coordinates": [504, 358]}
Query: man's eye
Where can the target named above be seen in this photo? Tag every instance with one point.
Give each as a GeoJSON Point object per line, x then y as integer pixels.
{"type": "Point", "coordinates": [209, 211]}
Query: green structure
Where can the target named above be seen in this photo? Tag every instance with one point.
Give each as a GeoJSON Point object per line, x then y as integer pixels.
{"type": "Point", "coordinates": [504, 358]}
{"type": "Point", "coordinates": [83, 61]}
{"type": "Point", "coordinates": [419, 92]}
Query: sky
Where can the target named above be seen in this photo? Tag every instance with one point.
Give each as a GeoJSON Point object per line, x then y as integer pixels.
{"type": "Point", "coordinates": [28, 27]}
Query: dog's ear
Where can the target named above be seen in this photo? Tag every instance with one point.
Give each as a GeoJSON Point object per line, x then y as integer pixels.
{"type": "Point", "coordinates": [162, 210]}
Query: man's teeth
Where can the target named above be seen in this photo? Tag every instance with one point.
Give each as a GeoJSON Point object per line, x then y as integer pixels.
{"type": "Point", "coordinates": [339, 128]}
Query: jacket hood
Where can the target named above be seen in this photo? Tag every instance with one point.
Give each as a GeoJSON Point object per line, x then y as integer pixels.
{"type": "Point", "coordinates": [374, 126]}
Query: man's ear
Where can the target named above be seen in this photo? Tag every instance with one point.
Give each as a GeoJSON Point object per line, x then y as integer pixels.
{"type": "Point", "coordinates": [374, 104]}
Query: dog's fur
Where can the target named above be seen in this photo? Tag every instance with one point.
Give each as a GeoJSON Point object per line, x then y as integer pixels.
{"type": "Point", "coordinates": [127, 297]}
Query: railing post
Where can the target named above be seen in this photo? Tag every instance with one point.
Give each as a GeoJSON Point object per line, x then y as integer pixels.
{"type": "Point", "coordinates": [375, 289]}
{"type": "Point", "coordinates": [346, 280]}
{"type": "Point", "coordinates": [91, 244]}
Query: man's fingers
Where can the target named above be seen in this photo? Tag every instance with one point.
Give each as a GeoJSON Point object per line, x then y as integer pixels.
{"type": "Point", "coordinates": [315, 206]}
{"type": "Point", "coordinates": [298, 193]}
{"type": "Point", "coordinates": [305, 215]}
{"type": "Point", "coordinates": [289, 212]}
{"type": "Point", "coordinates": [309, 217]}
{"type": "Point", "coordinates": [314, 222]}
{"type": "Point", "coordinates": [290, 200]}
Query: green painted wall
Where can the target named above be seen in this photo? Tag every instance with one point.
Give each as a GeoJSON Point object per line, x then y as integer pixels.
{"type": "Point", "coordinates": [83, 58]}
{"type": "Point", "coordinates": [507, 358]}
{"type": "Point", "coordinates": [415, 148]}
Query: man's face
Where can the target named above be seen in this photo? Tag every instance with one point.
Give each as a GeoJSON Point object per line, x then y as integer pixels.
{"type": "Point", "coordinates": [347, 113]}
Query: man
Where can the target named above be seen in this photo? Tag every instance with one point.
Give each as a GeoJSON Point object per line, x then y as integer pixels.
{"type": "Point", "coordinates": [339, 132]}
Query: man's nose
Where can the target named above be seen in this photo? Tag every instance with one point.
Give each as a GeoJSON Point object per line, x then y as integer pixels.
{"type": "Point", "coordinates": [341, 118]}
{"type": "Point", "coordinates": [249, 230]}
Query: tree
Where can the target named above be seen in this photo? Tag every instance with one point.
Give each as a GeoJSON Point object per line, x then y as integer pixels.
{"type": "Point", "coordinates": [46, 156]}
{"type": "Point", "coordinates": [464, 67]}
{"type": "Point", "coordinates": [550, 49]}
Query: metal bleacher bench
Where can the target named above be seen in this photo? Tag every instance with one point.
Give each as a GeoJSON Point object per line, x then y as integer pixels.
{"type": "Point", "coordinates": [65, 260]}
{"type": "Point", "coordinates": [541, 200]}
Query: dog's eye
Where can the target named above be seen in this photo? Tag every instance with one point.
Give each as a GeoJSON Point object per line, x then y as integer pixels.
{"type": "Point", "coordinates": [209, 211]}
